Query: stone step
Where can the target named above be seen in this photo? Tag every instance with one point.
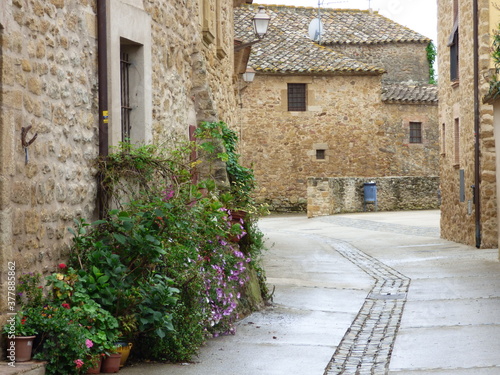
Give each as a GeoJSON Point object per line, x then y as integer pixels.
{"type": "Point", "coordinates": [24, 368]}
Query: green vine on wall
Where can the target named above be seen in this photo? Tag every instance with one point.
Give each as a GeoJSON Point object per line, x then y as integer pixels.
{"type": "Point", "coordinates": [494, 90]}
{"type": "Point", "coordinates": [431, 58]}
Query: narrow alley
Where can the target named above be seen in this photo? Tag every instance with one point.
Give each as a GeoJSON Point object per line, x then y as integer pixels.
{"type": "Point", "coordinates": [365, 293]}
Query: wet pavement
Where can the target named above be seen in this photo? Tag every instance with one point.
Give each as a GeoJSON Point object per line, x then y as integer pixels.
{"type": "Point", "coordinates": [366, 293]}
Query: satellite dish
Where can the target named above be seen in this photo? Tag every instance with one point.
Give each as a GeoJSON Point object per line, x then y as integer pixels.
{"type": "Point", "coordinates": [315, 30]}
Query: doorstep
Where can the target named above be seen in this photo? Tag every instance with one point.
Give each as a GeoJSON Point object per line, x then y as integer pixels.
{"type": "Point", "coordinates": [24, 368]}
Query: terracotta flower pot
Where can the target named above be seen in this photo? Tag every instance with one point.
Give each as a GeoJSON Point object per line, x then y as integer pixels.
{"type": "Point", "coordinates": [111, 363]}
{"type": "Point", "coordinates": [24, 347]}
{"type": "Point", "coordinates": [238, 214]}
{"type": "Point", "coordinates": [97, 368]}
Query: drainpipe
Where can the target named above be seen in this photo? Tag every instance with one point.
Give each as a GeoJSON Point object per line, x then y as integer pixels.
{"type": "Point", "coordinates": [102, 62]}
{"type": "Point", "coordinates": [103, 76]}
{"type": "Point", "coordinates": [477, 154]}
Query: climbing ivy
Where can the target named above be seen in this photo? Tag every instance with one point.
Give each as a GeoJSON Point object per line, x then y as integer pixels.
{"type": "Point", "coordinates": [431, 57]}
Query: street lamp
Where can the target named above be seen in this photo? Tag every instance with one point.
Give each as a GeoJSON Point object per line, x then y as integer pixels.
{"type": "Point", "coordinates": [260, 25]}
{"type": "Point", "coordinates": [261, 22]}
{"type": "Point", "coordinates": [249, 75]}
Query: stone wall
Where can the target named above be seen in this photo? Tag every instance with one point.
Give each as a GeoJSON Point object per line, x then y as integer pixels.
{"type": "Point", "coordinates": [403, 61]}
{"type": "Point", "coordinates": [49, 81]}
{"type": "Point", "coordinates": [361, 136]}
{"type": "Point", "coordinates": [328, 196]}
{"type": "Point", "coordinates": [456, 110]}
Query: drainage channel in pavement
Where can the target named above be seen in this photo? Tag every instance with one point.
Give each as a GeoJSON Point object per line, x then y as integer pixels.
{"type": "Point", "coordinates": [366, 347]}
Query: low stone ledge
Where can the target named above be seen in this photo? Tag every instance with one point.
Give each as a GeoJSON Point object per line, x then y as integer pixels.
{"type": "Point", "coordinates": [346, 194]}
{"type": "Point", "coordinates": [25, 368]}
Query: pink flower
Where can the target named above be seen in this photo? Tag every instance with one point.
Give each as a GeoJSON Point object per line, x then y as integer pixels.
{"type": "Point", "coordinates": [89, 343]}
{"type": "Point", "coordinates": [62, 266]}
{"type": "Point", "coordinates": [78, 363]}
{"type": "Point", "coordinates": [168, 194]}
{"type": "Point", "coordinates": [66, 305]}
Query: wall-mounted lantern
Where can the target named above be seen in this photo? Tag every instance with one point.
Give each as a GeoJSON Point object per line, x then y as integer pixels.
{"type": "Point", "coordinates": [249, 75]}
{"type": "Point", "coordinates": [261, 22]}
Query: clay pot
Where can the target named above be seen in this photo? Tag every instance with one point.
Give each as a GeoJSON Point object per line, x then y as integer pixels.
{"type": "Point", "coordinates": [24, 347]}
{"type": "Point", "coordinates": [97, 368]}
{"type": "Point", "coordinates": [111, 363]}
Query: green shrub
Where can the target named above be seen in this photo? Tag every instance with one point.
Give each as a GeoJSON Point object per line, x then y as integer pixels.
{"type": "Point", "coordinates": [166, 263]}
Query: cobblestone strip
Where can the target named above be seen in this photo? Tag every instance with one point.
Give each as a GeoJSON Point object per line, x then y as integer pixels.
{"type": "Point", "coordinates": [367, 345]}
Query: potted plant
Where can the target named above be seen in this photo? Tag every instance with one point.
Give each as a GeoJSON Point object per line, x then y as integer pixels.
{"type": "Point", "coordinates": [111, 362]}
{"type": "Point", "coordinates": [20, 332]}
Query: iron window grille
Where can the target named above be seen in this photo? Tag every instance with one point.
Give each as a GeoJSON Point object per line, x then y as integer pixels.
{"type": "Point", "coordinates": [125, 96]}
{"type": "Point", "coordinates": [415, 132]}
{"type": "Point", "coordinates": [296, 96]}
{"type": "Point", "coordinates": [320, 155]}
{"type": "Point", "coordinates": [454, 56]}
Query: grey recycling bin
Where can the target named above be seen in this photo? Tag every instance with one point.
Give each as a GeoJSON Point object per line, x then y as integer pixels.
{"type": "Point", "coordinates": [370, 194]}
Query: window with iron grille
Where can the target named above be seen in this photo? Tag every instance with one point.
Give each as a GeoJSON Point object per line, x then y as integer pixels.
{"type": "Point", "coordinates": [296, 96]}
{"type": "Point", "coordinates": [453, 43]}
{"type": "Point", "coordinates": [125, 95]}
{"type": "Point", "coordinates": [320, 154]}
{"type": "Point", "coordinates": [454, 57]}
{"type": "Point", "coordinates": [130, 46]}
{"type": "Point", "coordinates": [415, 132]}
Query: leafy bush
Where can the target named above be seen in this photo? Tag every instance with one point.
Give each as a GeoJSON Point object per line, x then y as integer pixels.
{"type": "Point", "coordinates": [119, 261]}
{"type": "Point", "coordinates": [166, 262]}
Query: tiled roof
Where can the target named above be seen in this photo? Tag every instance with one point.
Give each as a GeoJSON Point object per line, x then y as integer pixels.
{"type": "Point", "coordinates": [409, 93]}
{"type": "Point", "coordinates": [287, 47]}
{"type": "Point", "coordinates": [301, 55]}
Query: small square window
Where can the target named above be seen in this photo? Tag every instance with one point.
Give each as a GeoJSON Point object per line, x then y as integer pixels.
{"type": "Point", "coordinates": [296, 96]}
{"type": "Point", "coordinates": [320, 155]}
{"type": "Point", "coordinates": [415, 132]}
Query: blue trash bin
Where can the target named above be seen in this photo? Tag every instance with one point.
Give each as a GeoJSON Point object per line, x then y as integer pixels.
{"type": "Point", "coordinates": [370, 194]}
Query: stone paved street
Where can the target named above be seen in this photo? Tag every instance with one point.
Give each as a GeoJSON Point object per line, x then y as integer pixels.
{"type": "Point", "coordinates": [368, 293]}
{"type": "Point", "coordinates": [367, 345]}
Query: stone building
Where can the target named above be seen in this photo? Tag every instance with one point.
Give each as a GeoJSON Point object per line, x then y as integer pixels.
{"type": "Point", "coordinates": [178, 61]}
{"type": "Point", "coordinates": [468, 122]}
{"type": "Point", "coordinates": [355, 103]}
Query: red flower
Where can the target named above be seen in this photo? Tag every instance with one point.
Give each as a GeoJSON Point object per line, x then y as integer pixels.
{"type": "Point", "coordinates": [62, 266]}
{"type": "Point", "coordinates": [66, 305]}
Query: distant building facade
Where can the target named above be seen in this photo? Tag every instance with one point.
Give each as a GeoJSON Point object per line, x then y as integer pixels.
{"type": "Point", "coordinates": [358, 105]}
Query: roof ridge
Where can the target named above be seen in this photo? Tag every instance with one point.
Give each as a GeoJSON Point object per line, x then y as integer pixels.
{"type": "Point", "coordinates": [255, 5]}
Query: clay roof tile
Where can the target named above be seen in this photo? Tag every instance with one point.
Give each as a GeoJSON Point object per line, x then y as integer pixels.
{"type": "Point", "coordinates": [287, 47]}
{"type": "Point", "coordinates": [409, 93]}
